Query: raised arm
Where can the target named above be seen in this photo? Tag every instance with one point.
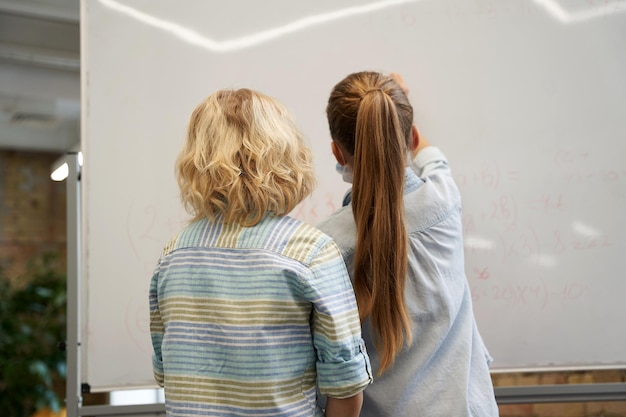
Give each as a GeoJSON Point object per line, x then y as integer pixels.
{"type": "Point", "coordinates": [421, 141]}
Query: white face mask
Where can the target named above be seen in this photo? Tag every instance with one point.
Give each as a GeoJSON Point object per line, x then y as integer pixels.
{"type": "Point", "coordinates": [345, 171]}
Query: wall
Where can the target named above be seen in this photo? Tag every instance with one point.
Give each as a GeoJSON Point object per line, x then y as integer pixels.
{"type": "Point", "coordinates": [32, 211]}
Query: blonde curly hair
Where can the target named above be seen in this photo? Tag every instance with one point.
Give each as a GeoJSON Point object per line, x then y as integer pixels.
{"type": "Point", "coordinates": [243, 157]}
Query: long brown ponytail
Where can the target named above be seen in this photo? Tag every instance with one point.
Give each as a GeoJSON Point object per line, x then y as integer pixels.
{"type": "Point", "coordinates": [370, 117]}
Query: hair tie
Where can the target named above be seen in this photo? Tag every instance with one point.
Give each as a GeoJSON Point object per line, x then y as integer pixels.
{"type": "Point", "coordinates": [371, 90]}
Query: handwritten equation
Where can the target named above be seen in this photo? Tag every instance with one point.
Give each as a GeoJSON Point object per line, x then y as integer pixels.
{"type": "Point", "coordinates": [538, 294]}
{"type": "Point", "coordinates": [519, 226]}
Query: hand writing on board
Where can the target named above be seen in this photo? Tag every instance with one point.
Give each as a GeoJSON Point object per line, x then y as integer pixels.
{"type": "Point", "coordinates": [421, 141]}
{"type": "Point", "coordinates": [400, 80]}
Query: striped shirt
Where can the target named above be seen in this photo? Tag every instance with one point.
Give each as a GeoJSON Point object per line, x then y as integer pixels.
{"type": "Point", "coordinates": [245, 320]}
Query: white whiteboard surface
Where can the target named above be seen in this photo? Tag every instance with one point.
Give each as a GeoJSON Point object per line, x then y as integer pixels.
{"type": "Point", "coordinates": [527, 99]}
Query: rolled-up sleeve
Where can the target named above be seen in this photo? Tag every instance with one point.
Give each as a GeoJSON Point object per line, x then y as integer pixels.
{"type": "Point", "coordinates": [343, 367]}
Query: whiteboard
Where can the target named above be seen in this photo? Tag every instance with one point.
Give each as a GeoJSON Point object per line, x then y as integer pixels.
{"type": "Point", "coordinates": [526, 98]}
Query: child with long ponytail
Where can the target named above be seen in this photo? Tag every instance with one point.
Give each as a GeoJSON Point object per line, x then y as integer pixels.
{"type": "Point", "coordinates": [401, 238]}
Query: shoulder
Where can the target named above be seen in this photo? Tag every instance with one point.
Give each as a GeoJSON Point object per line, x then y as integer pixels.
{"type": "Point", "coordinates": [298, 240]}
{"type": "Point", "coordinates": [171, 245]}
{"type": "Point", "coordinates": [290, 239]}
{"type": "Point", "coordinates": [185, 237]}
{"type": "Point", "coordinates": [340, 226]}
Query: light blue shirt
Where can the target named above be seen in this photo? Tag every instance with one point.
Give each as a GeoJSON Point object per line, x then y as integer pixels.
{"type": "Point", "coordinates": [445, 371]}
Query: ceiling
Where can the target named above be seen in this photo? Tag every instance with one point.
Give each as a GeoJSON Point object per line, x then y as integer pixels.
{"type": "Point", "coordinates": [39, 75]}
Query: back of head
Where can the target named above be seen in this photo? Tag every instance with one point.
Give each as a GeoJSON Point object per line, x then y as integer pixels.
{"type": "Point", "coordinates": [347, 96]}
{"type": "Point", "coordinates": [371, 118]}
{"type": "Point", "coordinates": [243, 157]}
